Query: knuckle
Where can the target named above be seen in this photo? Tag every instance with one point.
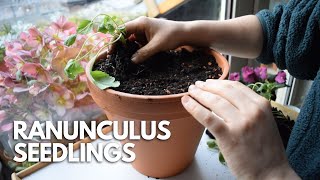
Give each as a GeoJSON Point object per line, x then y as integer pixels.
{"type": "Point", "coordinates": [207, 120]}
{"type": "Point", "coordinates": [228, 86]}
{"type": "Point", "coordinates": [143, 20]}
{"type": "Point", "coordinates": [247, 126]}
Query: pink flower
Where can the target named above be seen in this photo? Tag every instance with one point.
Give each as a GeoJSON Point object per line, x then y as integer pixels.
{"type": "Point", "coordinates": [2, 115]}
{"type": "Point", "coordinates": [281, 77]}
{"type": "Point", "coordinates": [15, 49]}
{"type": "Point", "coordinates": [261, 72]}
{"type": "Point", "coordinates": [234, 76]}
{"type": "Point", "coordinates": [6, 127]}
{"type": "Point", "coordinates": [36, 71]}
{"type": "Point", "coordinates": [61, 99]}
{"type": "Point", "coordinates": [65, 26]}
{"type": "Point", "coordinates": [248, 74]}
{"type": "Point", "coordinates": [35, 39]}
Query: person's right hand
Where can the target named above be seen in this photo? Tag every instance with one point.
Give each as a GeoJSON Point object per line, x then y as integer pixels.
{"type": "Point", "coordinates": [155, 35]}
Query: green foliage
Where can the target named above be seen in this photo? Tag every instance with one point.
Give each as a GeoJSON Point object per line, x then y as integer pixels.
{"type": "Point", "coordinates": [104, 80]}
{"type": "Point", "coordinates": [107, 24]}
{"type": "Point", "coordinates": [85, 26]}
{"type": "Point", "coordinates": [71, 39]}
{"type": "Point", "coordinates": [212, 144]}
{"type": "Point", "coordinates": [221, 159]}
{"type": "Point", "coordinates": [73, 69]}
{"type": "Point", "coordinates": [2, 53]}
{"type": "Point", "coordinates": [266, 89]}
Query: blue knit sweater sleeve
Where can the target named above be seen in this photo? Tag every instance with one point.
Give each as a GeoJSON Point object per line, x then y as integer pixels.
{"type": "Point", "coordinates": [292, 41]}
{"type": "Point", "coordinates": [292, 37]}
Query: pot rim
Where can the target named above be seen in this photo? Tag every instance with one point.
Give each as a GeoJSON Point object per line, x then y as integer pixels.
{"type": "Point", "coordinates": [213, 52]}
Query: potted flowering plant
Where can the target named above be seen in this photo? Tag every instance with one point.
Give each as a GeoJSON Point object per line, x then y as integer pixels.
{"type": "Point", "coordinates": [33, 85]}
{"type": "Point", "coordinates": [150, 91]}
{"type": "Point", "coordinates": [266, 85]}
{"type": "Point", "coordinates": [260, 81]}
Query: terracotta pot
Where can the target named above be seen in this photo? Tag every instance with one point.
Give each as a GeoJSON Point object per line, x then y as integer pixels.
{"type": "Point", "coordinates": [156, 158]}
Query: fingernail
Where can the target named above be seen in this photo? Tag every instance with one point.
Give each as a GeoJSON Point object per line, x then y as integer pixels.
{"type": "Point", "coordinates": [134, 58]}
{"type": "Point", "coordinates": [192, 88]}
{"type": "Point", "coordinates": [199, 83]}
{"type": "Point", "coordinates": [185, 99]}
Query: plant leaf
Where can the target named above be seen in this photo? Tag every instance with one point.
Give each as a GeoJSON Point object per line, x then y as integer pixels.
{"type": "Point", "coordinates": [221, 159]}
{"type": "Point", "coordinates": [212, 144]}
{"type": "Point", "coordinates": [102, 28]}
{"type": "Point", "coordinates": [103, 80]}
{"type": "Point", "coordinates": [71, 39]}
{"type": "Point", "coordinates": [85, 26]}
{"type": "Point", "coordinates": [73, 69]}
{"type": "Point", "coordinates": [59, 62]}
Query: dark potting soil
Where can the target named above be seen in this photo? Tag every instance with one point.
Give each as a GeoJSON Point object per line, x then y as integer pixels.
{"type": "Point", "coordinates": [165, 73]}
{"type": "Point", "coordinates": [284, 124]}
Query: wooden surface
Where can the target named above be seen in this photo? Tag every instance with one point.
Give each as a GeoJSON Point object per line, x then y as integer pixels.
{"type": "Point", "coordinates": [152, 8]}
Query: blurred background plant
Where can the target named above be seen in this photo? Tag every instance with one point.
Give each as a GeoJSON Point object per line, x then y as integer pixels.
{"type": "Point", "coordinates": [33, 86]}
{"type": "Point", "coordinates": [260, 81]}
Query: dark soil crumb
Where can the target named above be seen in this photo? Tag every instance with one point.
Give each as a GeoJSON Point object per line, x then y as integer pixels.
{"type": "Point", "coordinates": [165, 73]}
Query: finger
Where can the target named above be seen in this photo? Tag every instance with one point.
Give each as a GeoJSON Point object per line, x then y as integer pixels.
{"type": "Point", "coordinates": [227, 90]}
{"type": "Point", "coordinates": [208, 119]}
{"type": "Point", "coordinates": [219, 105]}
{"type": "Point", "coordinates": [145, 52]}
{"type": "Point", "coordinates": [136, 26]}
{"type": "Point", "coordinates": [245, 89]}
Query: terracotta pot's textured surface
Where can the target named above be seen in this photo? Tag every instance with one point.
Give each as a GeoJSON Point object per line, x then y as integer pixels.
{"type": "Point", "coordinates": [156, 158]}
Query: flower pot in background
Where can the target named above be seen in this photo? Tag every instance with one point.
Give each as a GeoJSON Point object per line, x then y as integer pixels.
{"type": "Point", "coordinates": [155, 158]}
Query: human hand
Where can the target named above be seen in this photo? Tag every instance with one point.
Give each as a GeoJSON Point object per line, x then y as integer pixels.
{"type": "Point", "coordinates": [244, 127]}
{"type": "Point", "coordinates": [155, 35]}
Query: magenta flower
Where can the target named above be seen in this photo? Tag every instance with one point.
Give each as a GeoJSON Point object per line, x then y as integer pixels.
{"type": "Point", "coordinates": [248, 74]}
{"type": "Point", "coordinates": [261, 72]}
{"type": "Point", "coordinates": [281, 77]}
{"type": "Point", "coordinates": [234, 76]}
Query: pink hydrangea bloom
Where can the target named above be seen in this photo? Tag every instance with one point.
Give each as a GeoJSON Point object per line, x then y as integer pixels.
{"type": "Point", "coordinates": [235, 76]}
{"type": "Point", "coordinates": [248, 74]}
{"type": "Point", "coordinates": [281, 77]}
{"type": "Point", "coordinates": [261, 72]}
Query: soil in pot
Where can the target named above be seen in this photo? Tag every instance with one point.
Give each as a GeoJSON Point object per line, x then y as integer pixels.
{"type": "Point", "coordinates": [165, 73]}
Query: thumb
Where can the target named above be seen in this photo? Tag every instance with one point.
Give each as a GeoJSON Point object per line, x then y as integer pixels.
{"type": "Point", "coordinates": [145, 52]}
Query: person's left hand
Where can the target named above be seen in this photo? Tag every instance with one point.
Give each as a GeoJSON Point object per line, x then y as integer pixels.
{"type": "Point", "coordinates": [244, 127]}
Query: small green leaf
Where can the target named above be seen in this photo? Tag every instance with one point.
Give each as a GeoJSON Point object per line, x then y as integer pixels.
{"type": "Point", "coordinates": [110, 28]}
{"type": "Point", "coordinates": [71, 39]}
{"type": "Point", "coordinates": [73, 69]}
{"type": "Point", "coordinates": [84, 27]}
{"type": "Point", "coordinates": [31, 82]}
{"type": "Point", "coordinates": [103, 80]}
{"type": "Point", "coordinates": [212, 144]}
{"type": "Point", "coordinates": [102, 28]}
{"type": "Point", "coordinates": [122, 39]}
{"type": "Point", "coordinates": [221, 159]}
{"type": "Point", "coordinates": [18, 75]}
